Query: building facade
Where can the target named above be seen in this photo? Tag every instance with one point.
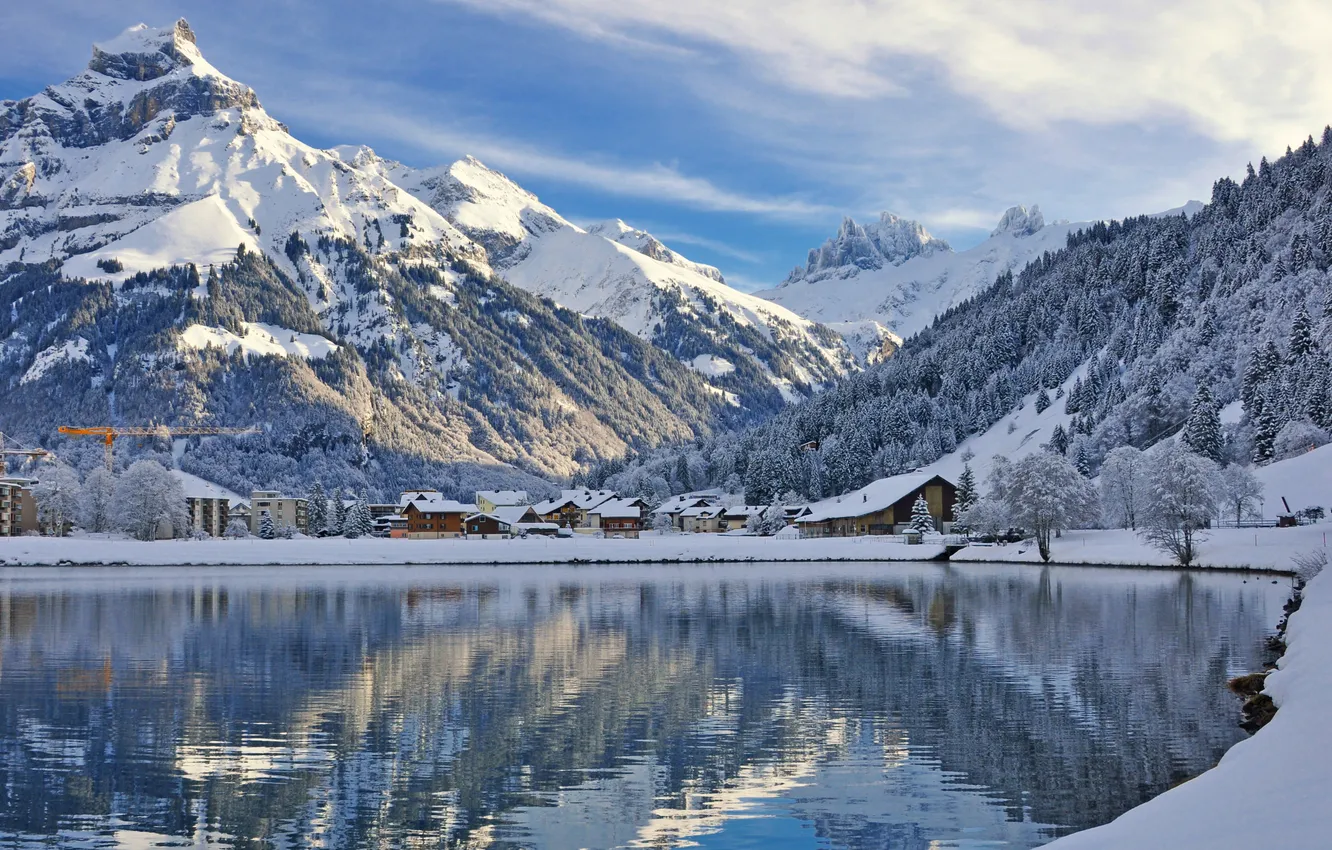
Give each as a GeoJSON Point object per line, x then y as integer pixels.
{"type": "Point", "coordinates": [430, 516]}
{"type": "Point", "coordinates": [283, 510]}
{"type": "Point", "coordinates": [209, 514]}
{"type": "Point", "coordinates": [881, 507]}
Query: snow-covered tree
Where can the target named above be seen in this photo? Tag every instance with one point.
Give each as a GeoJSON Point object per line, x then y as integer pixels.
{"type": "Point", "coordinates": [1048, 494]}
{"type": "Point", "coordinates": [97, 507]}
{"type": "Point", "coordinates": [337, 517]}
{"type": "Point", "coordinates": [1240, 491]}
{"type": "Point", "coordinates": [985, 516]}
{"type": "Point", "coordinates": [1297, 437]}
{"type": "Point", "coordinates": [1202, 430]}
{"type": "Point", "coordinates": [317, 509]}
{"type": "Point", "coordinates": [921, 519]}
{"type": "Point", "coordinates": [999, 479]}
{"type": "Point", "coordinates": [1123, 486]}
{"type": "Point", "coordinates": [359, 522]}
{"type": "Point", "coordinates": [966, 491]}
{"type": "Point", "coordinates": [149, 497]}
{"type": "Point", "coordinates": [772, 520]}
{"type": "Point", "coordinates": [1181, 499]}
{"type": "Point", "coordinates": [57, 495]}
{"type": "Point", "coordinates": [267, 528]}
{"type": "Point", "coordinates": [236, 529]}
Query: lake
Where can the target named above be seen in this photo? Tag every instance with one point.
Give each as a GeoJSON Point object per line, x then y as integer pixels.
{"type": "Point", "coordinates": [805, 706]}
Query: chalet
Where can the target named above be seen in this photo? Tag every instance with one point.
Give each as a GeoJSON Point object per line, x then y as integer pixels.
{"type": "Point", "coordinates": [794, 513]}
{"type": "Point", "coordinates": [677, 505]}
{"type": "Point", "coordinates": [623, 517]}
{"type": "Point", "coordinates": [571, 508]}
{"type": "Point", "coordinates": [488, 500]}
{"type": "Point", "coordinates": [430, 516]}
{"type": "Point", "coordinates": [505, 521]}
{"type": "Point", "coordinates": [741, 516]}
{"type": "Point", "coordinates": [487, 526]}
{"type": "Point", "coordinates": [703, 519]}
{"type": "Point", "coordinates": [881, 507]}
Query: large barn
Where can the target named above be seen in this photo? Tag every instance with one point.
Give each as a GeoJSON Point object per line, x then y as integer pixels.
{"type": "Point", "coordinates": [881, 507]}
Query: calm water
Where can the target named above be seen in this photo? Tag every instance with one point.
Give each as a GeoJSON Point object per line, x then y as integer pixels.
{"type": "Point", "coordinates": [912, 706]}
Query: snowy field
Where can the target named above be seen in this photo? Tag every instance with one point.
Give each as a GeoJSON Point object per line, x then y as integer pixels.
{"type": "Point", "coordinates": [1272, 790]}
{"type": "Point", "coordinates": [38, 551]}
{"type": "Point", "coordinates": [1233, 548]}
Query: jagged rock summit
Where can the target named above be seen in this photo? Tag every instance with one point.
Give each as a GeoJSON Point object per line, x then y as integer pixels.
{"type": "Point", "coordinates": [890, 241]}
{"type": "Point", "coordinates": [1019, 221]}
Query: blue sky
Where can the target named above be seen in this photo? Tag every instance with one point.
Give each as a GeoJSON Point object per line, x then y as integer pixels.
{"type": "Point", "coordinates": [740, 131]}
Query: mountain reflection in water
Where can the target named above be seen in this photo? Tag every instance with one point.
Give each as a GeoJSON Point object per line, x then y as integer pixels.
{"type": "Point", "coordinates": [903, 706]}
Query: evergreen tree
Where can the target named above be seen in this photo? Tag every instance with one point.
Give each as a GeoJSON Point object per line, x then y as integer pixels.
{"type": "Point", "coordinates": [1265, 429]}
{"type": "Point", "coordinates": [317, 510]}
{"type": "Point", "coordinates": [1059, 440]}
{"type": "Point", "coordinates": [337, 518]}
{"type": "Point", "coordinates": [359, 522]}
{"type": "Point", "coordinates": [1081, 461]}
{"type": "Point", "coordinates": [1042, 401]}
{"type": "Point", "coordinates": [921, 519]}
{"type": "Point", "coordinates": [267, 531]}
{"type": "Point", "coordinates": [966, 491]}
{"type": "Point", "coordinates": [1302, 342]}
{"type": "Point", "coordinates": [1202, 430]}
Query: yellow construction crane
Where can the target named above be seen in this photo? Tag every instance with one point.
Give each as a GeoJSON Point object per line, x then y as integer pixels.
{"type": "Point", "coordinates": [108, 433]}
{"type": "Point", "coordinates": [39, 454]}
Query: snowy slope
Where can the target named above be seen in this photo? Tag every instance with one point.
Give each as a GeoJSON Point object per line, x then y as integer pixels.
{"type": "Point", "coordinates": [1304, 481]}
{"type": "Point", "coordinates": [851, 281]}
{"type": "Point", "coordinates": [614, 271]}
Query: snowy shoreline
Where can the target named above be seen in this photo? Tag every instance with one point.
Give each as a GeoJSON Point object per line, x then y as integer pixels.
{"type": "Point", "coordinates": [1267, 550]}
{"type": "Point", "coordinates": [1270, 790]}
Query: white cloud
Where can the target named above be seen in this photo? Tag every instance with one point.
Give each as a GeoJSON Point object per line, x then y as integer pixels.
{"type": "Point", "coordinates": [654, 180]}
{"type": "Point", "coordinates": [1234, 70]}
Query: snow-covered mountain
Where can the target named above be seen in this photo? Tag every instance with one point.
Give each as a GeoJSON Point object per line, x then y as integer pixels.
{"type": "Point", "coordinates": [152, 157]}
{"type": "Point", "coordinates": [614, 271]}
{"type": "Point", "coordinates": [891, 279]}
{"type": "Point", "coordinates": [173, 253]}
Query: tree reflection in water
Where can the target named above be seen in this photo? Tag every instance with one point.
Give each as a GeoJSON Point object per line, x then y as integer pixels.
{"type": "Point", "coordinates": [827, 706]}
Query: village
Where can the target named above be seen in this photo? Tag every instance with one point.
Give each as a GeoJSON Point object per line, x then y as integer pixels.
{"type": "Point", "coordinates": [905, 505]}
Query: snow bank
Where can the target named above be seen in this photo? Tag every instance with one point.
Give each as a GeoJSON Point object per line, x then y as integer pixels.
{"type": "Point", "coordinates": [34, 551]}
{"type": "Point", "coordinates": [67, 352]}
{"type": "Point", "coordinates": [1304, 481]}
{"type": "Point", "coordinates": [204, 232]}
{"type": "Point", "coordinates": [1271, 790]}
{"type": "Point", "coordinates": [259, 339]}
{"type": "Point", "coordinates": [1223, 548]}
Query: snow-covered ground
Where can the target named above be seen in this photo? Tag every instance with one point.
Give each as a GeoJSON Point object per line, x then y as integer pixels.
{"type": "Point", "coordinates": [36, 551]}
{"type": "Point", "coordinates": [1235, 548]}
{"type": "Point", "coordinates": [1271, 790]}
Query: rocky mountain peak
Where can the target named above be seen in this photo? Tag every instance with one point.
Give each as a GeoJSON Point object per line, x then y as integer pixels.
{"type": "Point", "coordinates": [890, 241]}
{"type": "Point", "coordinates": [145, 53]}
{"type": "Point", "coordinates": [1019, 221]}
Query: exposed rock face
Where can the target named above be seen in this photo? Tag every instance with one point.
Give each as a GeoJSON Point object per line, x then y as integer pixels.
{"type": "Point", "coordinates": [1020, 221]}
{"type": "Point", "coordinates": [890, 241]}
{"type": "Point", "coordinates": [110, 100]}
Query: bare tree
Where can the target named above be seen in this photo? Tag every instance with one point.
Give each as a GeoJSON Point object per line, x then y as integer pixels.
{"type": "Point", "coordinates": [1123, 486]}
{"type": "Point", "coordinates": [1239, 490]}
{"type": "Point", "coordinates": [57, 496]}
{"type": "Point", "coordinates": [1181, 500]}
{"type": "Point", "coordinates": [1047, 494]}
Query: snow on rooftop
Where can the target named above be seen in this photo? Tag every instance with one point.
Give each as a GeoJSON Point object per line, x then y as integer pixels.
{"type": "Point", "coordinates": [873, 497]}
{"type": "Point", "coordinates": [200, 488]}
